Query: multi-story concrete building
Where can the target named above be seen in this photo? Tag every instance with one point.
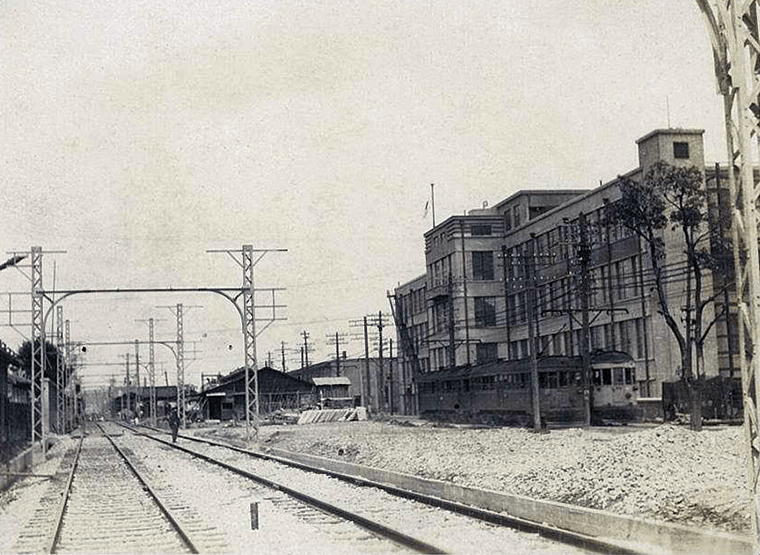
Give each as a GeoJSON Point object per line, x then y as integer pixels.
{"type": "Point", "coordinates": [471, 305]}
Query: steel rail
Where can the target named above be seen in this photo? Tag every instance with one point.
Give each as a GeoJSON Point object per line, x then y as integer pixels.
{"type": "Point", "coordinates": [521, 524]}
{"type": "Point", "coordinates": [177, 527]}
{"type": "Point", "coordinates": [375, 527]}
{"type": "Point", "coordinates": [52, 541]}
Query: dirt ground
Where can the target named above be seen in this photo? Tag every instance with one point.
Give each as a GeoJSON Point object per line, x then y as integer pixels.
{"type": "Point", "coordinates": [662, 472]}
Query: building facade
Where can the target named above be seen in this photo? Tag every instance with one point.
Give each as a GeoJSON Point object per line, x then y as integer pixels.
{"type": "Point", "coordinates": [373, 382]}
{"type": "Point", "coordinates": [472, 304]}
{"type": "Point", "coordinates": [277, 390]}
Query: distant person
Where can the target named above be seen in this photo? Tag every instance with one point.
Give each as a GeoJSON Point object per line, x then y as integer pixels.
{"type": "Point", "coordinates": [173, 420]}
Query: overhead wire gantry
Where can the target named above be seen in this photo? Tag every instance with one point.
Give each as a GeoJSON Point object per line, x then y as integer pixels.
{"type": "Point", "coordinates": [733, 29]}
{"type": "Point", "coordinates": [246, 312]}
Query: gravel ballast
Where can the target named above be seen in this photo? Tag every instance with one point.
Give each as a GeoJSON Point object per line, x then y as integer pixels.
{"type": "Point", "coordinates": [664, 472]}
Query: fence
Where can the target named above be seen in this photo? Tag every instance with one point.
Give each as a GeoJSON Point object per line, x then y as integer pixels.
{"type": "Point", "coordinates": [721, 399]}
{"type": "Point", "coordinates": [16, 430]}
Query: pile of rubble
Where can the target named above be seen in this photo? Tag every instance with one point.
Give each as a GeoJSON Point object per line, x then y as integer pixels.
{"type": "Point", "coordinates": [666, 472]}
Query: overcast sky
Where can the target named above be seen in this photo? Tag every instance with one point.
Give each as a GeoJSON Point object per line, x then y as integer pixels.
{"type": "Point", "coordinates": [138, 134]}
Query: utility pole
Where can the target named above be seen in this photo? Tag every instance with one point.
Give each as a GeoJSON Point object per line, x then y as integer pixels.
{"type": "Point", "coordinates": [464, 291]}
{"type": "Point", "coordinates": [532, 319]}
{"type": "Point", "coordinates": [452, 337]}
{"type": "Point", "coordinates": [584, 258]}
{"type": "Point", "coordinates": [410, 352]}
{"type": "Point", "coordinates": [269, 359]}
{"type": "Point", "coordinates": [607, 216]}
{"type": "Point", "coordinates": [381, 384]}
{"type": "Point", "coordinates": [390, 373]}
{"type": "Point", "coordinates": [506, 299]}
{"type": "Point", "coordinates": [365, 378]}
{"type": "Point", "coordinates": [305, 336]}
{"type": "Point", "coordinates": [364, 381]}
{"type": "Point", "coordinates": [338, 339]}
{"type": "Point", "coordinates": [380, 322]}
{"type": "Point", "coordinates": [282, 350]}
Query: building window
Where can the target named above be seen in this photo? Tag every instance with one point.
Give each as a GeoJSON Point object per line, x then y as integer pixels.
{"type": "Point", "coordinates": [514, 350]}
{"type": "Point", "coordinates": [605, 285]}
{"type": "Point", "coordinates": [569, 343]}
{"type": "Point", "coordinates": [524, 351]}
{"type": "Point", "coordinates": [625, 336]}
{"type": "Point", "coordinates": [485, 312]}
{"type": "Point", "coordinates": [516, 216]}
{"type": "Point", "coordinates": [482, 265]}
{"type": "Point", "coordinates": [635, 276]}
{"type": "Point", "coordinates": [619, 272]}
{"type": "Point", "coordinates": [680, 150]}
{"type": "Point", "coordinates": [556, 344]}
{"type": "Point", "coordinates": [640, 338]}
{"type": "Point", "coordinates": [487, 352]}
{"type": "Point", "coordinates": [480, 229]}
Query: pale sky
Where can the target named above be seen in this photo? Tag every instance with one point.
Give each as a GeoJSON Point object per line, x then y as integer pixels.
{"type": "Point", "coordinates": [138, 134]}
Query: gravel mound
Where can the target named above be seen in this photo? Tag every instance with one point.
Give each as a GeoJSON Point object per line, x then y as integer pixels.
{"type": "Point", "coordinates": [665, 472]}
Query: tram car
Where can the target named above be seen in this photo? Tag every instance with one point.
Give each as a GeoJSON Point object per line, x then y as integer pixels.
{"type": "Point", "coordinates": [499, 392]}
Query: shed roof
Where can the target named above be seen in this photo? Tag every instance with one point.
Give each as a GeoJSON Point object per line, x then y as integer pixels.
{"type": "Point", "coordinates": [228, 382]}
{"type": "Point", "coordinates": [341, 380]}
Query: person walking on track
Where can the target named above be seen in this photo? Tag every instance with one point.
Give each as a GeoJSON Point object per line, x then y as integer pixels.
{"type": "Point", "coordinates": [173, 420]}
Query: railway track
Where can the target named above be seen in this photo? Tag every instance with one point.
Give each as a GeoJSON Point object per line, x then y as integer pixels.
{"type": "Point", "coordinates": [106, 505]}
{"type": "Point", "coordinates": [413, 523]}
{"type": "Point", "coordinates": [136, 492]}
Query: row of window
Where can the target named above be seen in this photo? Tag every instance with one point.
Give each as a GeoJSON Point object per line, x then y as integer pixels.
{"type": "Point", "coordinates": [627, 336]}
{"type": "Point", "coordinates": [614, 376]}
{"type": "Point", "coordinates": [484, 352]}
{"type": "Point", "coordinates": [413, 302]}
{"type": "Point", "coordinates": [609, 283]}
{"type": "Point", "coordinates": [613, 282]}
{"type": "Point", "coordinates": [418, 334]}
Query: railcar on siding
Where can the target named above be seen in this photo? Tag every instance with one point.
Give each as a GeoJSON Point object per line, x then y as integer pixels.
{"type": "Point", "coordinates": [499, 392]}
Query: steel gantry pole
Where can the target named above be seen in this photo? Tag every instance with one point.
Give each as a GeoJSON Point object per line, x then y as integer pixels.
{"type": "Point", "coordinates": [179, 355]}
{"type": "Point", "coordinates": [38, 349]}
{"type": "Point", "coordinates": [249, 344]}
{"type": "Point", "coordinates": [180, 366]}
{"type": "Point", "coordinates": [138, 397]}
{"type": "Point", "coordinates": [129, 384]}
{"type": "Point", "coordinates": [248, 324]}
{"type": "Point", "coordinates": [67, 376]}
{"type": "Point", "coordinates": [733, 29]}
{"type": "Point", "coordinates": [60, 368]}
{"type": "Point", "coordinates": [152, 372]}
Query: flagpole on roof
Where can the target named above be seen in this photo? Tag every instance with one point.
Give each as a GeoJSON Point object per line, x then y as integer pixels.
{"type": "Point", "coordinates": [432, 200]}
